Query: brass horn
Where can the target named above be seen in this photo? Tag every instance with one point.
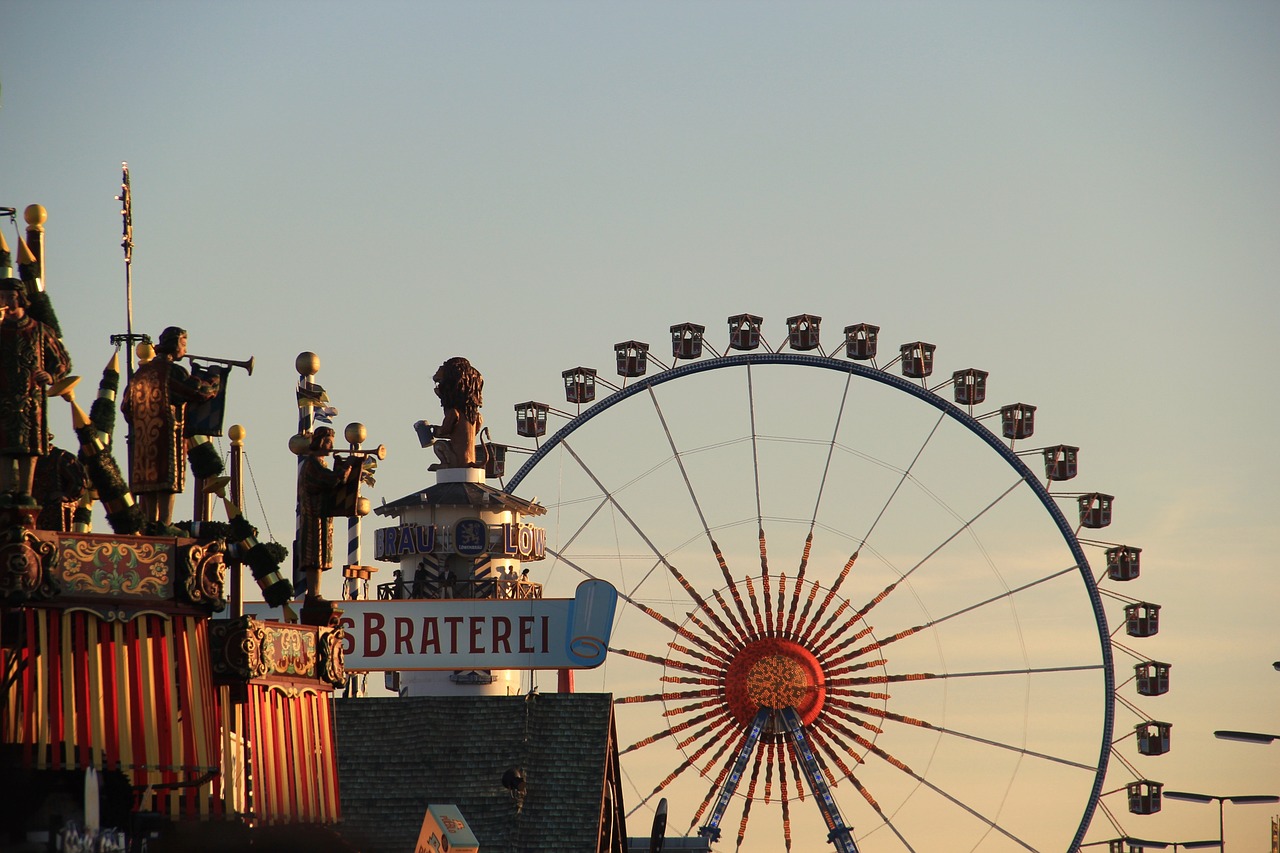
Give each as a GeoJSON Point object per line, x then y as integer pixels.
{"type": "Point", "coordinates": [247, 365]}
{"type": "Point", "coordinates": [379, 452]}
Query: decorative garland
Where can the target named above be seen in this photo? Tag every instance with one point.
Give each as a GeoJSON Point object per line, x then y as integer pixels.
{"type": "Point", "coordinates": [262, 559]}
{"type": "Point", "coordinates": [203, 456]}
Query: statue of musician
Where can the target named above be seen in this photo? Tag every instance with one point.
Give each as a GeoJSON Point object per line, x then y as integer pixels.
{"type": "Point", "coordinates": [154, 405]}
{"type": "Point", "coordinates": [321, 493]}
{"type": "Point", "coordinates": [32, 357]}
{"type": "Point", "coordinates": [460, 388]}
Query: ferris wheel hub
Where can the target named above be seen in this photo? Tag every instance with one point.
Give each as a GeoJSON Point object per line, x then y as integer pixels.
{"type": "Point", "coordinates": [777, 673]}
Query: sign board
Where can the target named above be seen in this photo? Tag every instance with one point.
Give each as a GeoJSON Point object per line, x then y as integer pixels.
{"type": "Point", "coordinates": [445, 831]}
{"type": "Point", "coordinates": [476, 633]}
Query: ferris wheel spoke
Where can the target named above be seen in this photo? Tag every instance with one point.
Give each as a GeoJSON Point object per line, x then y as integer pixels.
{"type": "Point", "coordinates": [873, 646]}
{"type": "Point", "coordinates": [675, 573]}
{"type": "Point", "coordinates": [835, 617]}
{"type": "Point", "coordinates": [793, 762]}
{"type": "Point", "coordinates": [772, 749]}
{"type": "Point", "coordinates": [767, 582]}
{"type": "Point", "coordinates": [761, 630]}
{"type": "Point", "coordinates": [741, 636]}
{"type": "Point", "coordinates": [972, 811]}
{"type": "Point", "coordinates": [726, 643]}
{"type": "Point", "coordinates": [826, 601]}
{"type": "Point", "coordinates": [709, 694]}
{"type": "Point", "coordinates": [1070, 570]}
{"type": "Point", "coordinates": [690, 705]}
{"type": "Point", "coordinates": [884, 818]}
{"type": "Point", "coordinates": [778, 756]}
{"type": "Point", "coordinates": [889, 589]}
{"type": "Point", "coordinates": [720, 738]}
{"type": "Point", "coordinates": [925, 724]}
{"type": "Point", "coordinates": [924, 676]}
{"type": "Point", "coordinates": [697, 505]}
{"type": "Point", "coordinates": [720, 659]}
{"type": "Point", "coordinates": [906, 474]}
{"type": "Point", "coordinates": [902, 766]}
{"type": "Point", "coordinates": [964, 526]}
{"type": "Point", "coordinates": [818, 735]}
{"type": "Point", "coordinates": [714, 714]}
{"type": "Point", "coordinates": [840, 715]}
{"type": "Point", "coordinates": [667, 662]}
{"type": "Point", "coordinates": [813, 518]}
{"type": "Point", "coordinates": [755, 474]}
{"type": "Point", "coordinates": [836, 659]}
{"type": "Point", "coordinates": [782, 594]}
{"type": "Point", "coordinates": [799, 585]}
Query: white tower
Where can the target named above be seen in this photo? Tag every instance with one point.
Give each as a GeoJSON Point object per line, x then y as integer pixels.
{"type": "Point", "coordinates": [459, 539]}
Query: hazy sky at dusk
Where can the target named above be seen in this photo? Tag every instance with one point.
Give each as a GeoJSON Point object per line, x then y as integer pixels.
{"type": "Point", "coordinates": [1081, 198]}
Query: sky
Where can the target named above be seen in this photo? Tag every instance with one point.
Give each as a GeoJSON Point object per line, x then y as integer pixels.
{"type": "Point", "coordinates": [1080, 198]}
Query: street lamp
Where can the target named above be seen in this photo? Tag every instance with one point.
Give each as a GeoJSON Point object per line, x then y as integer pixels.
{"type": "Point", "coordinates": [1209, 798]}
{"type": "Point", "coordinates": [1247, 737]}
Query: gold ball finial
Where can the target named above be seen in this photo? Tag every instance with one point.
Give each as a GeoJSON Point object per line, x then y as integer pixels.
{"type": "Point", "coordinates": [364, 506]}
{"type": "Point", "coordinates": [145, 352]}
{"type": "Point", "coordinates": [300, 444]}
{"type": "Point", "coordinates": [236, 434]}
{"type": "Point", "coordinates": [307, 363]}
{"type": "Point", "coordinates": [355, 433]}
{"type": "Point", "coordinates": [36, 216]}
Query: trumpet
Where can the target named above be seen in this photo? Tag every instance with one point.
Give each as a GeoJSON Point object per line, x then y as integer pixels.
{"type": "Point", "coordinates": [379, 452]}
{"type": "Point", "coordinates": [231, 362]}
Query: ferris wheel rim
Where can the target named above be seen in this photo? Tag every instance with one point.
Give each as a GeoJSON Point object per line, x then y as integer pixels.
{"type": "Point", "coordinates": [948, 410]}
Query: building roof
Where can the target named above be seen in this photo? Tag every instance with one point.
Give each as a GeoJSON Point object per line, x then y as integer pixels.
{"type": "Point", "coordinates": [395, 756]}
{"type": "Point", "coordinates": [462, 494]}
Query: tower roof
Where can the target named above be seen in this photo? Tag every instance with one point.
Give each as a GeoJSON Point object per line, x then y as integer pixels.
{"type": "Point", "coordinates": [462, 494]}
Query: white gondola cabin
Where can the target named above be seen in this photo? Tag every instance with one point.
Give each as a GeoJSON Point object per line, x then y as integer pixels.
{"type": "Point", "coordinates": [917, 359]}
{"type": "Point", "coordinates": [686, 340]}
{"type": "Point", "coordinates": [860, 341]}
{"type": "Point", "coordinates": [531, 419]}
{"type": "Point", "coordinates": [1018, 420]}
{"type": "Point", "coordinates": [1151, 677]}
{"type": "Point", "coordinates": [1061, 462]}
{"type": "Point", "coordinates": [1144, 796]}
{"type": "Point", "coordinates": [1153, 737]}
{"type": "Point", "coordinates": [1095, 509]}
{"type": "Point", "coordinates": [744, 331]}
{"type": "Point", "coordinates": [1123, 562]}
{"type": "Point", "coordinates": [633, 357]}
{"type": "Point", "coordinates": [1142, 619]}
{"type": "Point", "coordinates": [802, 331]}
{"type": "Point", "coordinates": [970, 386]}
{"type": "Point", "coordinates": [579, 384]}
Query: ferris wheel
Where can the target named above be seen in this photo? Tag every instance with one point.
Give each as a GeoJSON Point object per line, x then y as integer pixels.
{"type": "Point", "coordinates": [844, 595]}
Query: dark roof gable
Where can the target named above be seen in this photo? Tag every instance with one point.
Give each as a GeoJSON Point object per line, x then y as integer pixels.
{"type": "Point", "coordinates": [397, 755]}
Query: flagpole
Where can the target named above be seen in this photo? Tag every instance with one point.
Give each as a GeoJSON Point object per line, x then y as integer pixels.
{"type": "Point", "coordinates": [126, 243]}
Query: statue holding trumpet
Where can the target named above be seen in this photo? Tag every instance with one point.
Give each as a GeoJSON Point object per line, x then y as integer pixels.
{"type": "Point", "coordinates": [155, 406]}
{"type": "Point", "coordinates": [32, 358]}
{"type": "Point", "coordinates": [326, 493]}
